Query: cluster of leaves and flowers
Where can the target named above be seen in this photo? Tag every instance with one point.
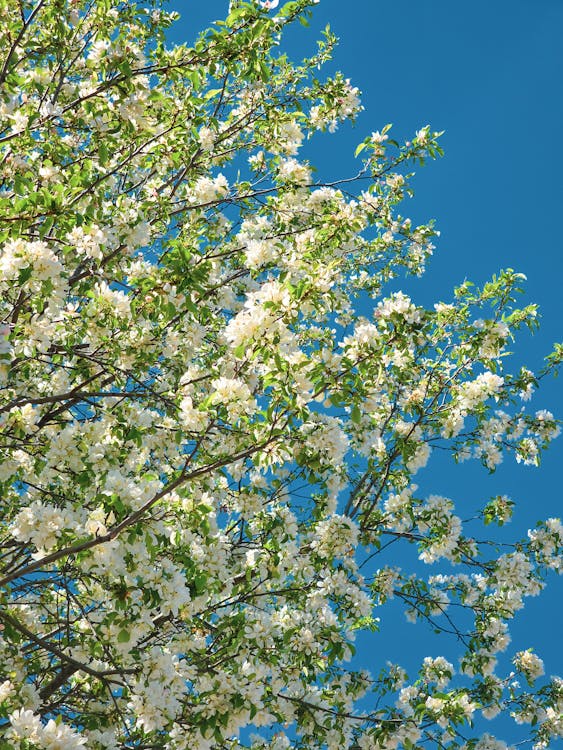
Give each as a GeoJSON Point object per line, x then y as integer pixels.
{"type": "Point", "coordinates": [212, 408]}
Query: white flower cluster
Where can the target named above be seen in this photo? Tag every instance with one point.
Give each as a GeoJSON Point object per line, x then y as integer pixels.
{"type": "Point", "coordinates": [384, 582]}
{"type": "Point", "coordinates": [157, 697]}
{"type": "Point", "coordinates": [398, 304]}
{"type": "Point", "coordinates": [530, 664]}
{"type": "Point", "coordinates": [87, 241]}
{"type": "Point", "coordinates": [208, 189]}
{"type": "Point", "coordinates": [44, 265]}
{"type": "Point", "coordinates": [235, 395]}
{"type": "Point", "coordinates": [192, 419]}
{"type": "Point", "coordinates": [25, 726]}
{"type": "Point", "coordinates": [547, 543]}
{"type": "Point", "coordinates": [207, 138]}
{"type": "Point", "coordinates": [42, 525]}
{"type": "Point", "coordinates": [398, 507]}
{"type": "Point", "coordinates": [288, 138]}
{"type": "Point", "coordinates": [488, 742]}
{"type": "Point", "coordinates": [514, 573]}
{"type": "Point", "coordinates": [294, 172]}
{"type": "Point", "coordinates": [346, 104]}
{"type": "Point", "coordinates": [262, 317]}
{"type": "Point", "coordinates": [326, 438]}
{"type": "Point", "coordinates": [474, 392]}
{"type": "Point", "coordinates": [437, 670]}
{"type": "Point", "coordinates": [335, 537]}
{"type": "Point", "coordinates": [443, 528]}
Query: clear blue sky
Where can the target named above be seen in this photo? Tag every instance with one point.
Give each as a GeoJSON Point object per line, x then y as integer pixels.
{"type": "Point", "coordinates": [490, 74]}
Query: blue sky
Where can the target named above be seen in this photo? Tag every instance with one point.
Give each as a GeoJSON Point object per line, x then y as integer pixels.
{"type": "Point", "coordinates": [489, 74]}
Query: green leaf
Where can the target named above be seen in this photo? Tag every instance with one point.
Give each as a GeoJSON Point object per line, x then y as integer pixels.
{"type": "Point", "coordinates": [359, 148]}
{"type": "Point", "coordinates": [103, 153]}
{"type": "Point", "coordinates": [24, 275]}
{"type": "Point", "coordinates": [264, 71]}
{"type": "Point", "coordinates": [124, 636]}
{"type": "Point", "coordinates": [46, 226]}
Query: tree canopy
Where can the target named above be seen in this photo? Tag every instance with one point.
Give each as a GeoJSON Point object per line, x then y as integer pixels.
{"type": "Point", "coordinates": [213, 407]}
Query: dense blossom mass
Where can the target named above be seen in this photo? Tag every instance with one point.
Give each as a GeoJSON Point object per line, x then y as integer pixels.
{"type": "Point", "coordinates": [213, 408]}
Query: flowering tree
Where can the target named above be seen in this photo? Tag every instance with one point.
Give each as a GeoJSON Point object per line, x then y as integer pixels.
{"type": "Point", "coordinates": [212, 408]}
